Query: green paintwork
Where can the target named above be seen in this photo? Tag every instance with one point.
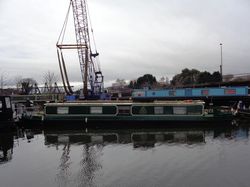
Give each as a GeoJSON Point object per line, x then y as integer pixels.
{"type": "Point", "coordinates": [81, 109]}
{"type": "Point", "coordinates": [194, 111]}
{"type": "Point", "coordinates": [84, 118]}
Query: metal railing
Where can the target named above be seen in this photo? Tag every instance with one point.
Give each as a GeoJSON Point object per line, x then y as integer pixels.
{"type": "Point", "coordinates": [36, 98]}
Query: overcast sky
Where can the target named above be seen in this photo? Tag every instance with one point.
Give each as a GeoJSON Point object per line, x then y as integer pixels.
{"type": "Point", "coordinates": [133, 37]}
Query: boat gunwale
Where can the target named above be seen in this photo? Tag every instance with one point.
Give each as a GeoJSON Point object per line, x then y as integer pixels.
{"type": "Point", "coordinates": [131, 105]}
{"type": "Point", "coordinates": [158, 103]}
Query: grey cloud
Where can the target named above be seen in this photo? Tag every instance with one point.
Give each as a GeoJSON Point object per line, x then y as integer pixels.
{"type": "Point", "coordinates": [133, 37]}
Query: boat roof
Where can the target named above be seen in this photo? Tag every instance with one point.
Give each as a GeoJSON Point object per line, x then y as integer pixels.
{"type": "Point", "coordinates": [126, 102]}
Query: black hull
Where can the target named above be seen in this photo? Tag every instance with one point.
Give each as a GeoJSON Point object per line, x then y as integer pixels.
{"type": "Point", "coordinates": [245, 114]}
{"type": "Point", "coordinates": [6, 126]}
{"type": "Point", "coordinates": [71, 125]}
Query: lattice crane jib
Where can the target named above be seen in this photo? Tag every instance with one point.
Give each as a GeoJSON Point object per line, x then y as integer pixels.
{"type": "Point", "coordinates": [90, 70]}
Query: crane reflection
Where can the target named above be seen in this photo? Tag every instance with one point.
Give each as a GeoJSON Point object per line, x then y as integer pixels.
{"type": "Point", "coordinates": [92, 144]}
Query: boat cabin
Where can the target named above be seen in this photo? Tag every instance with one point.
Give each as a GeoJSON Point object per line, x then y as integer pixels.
{"type": "Point", "coordinates": [6, 113]}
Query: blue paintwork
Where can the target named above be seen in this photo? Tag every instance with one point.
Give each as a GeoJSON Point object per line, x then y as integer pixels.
{"type": "Point", "coordinates": [192, 92]}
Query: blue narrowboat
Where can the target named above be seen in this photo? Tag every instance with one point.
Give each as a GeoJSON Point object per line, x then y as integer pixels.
{"type": "Point", "coordinates": [191, 92]}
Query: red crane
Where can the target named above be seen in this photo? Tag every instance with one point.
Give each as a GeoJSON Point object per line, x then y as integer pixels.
{"type": "Point", "coordinates": [88, 58]}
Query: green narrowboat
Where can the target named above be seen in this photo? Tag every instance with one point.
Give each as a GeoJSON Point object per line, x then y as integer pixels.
{"type": "Point", "coordinates": [110, 111]}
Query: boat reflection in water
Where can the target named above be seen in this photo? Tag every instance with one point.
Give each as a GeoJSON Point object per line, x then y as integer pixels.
{"type": "Point", "coordinates": [139, 138]}
{"type": "Point", "coordinates": [143, 137]}
{"type": "Point", "coordinates": [95, 143]}
{"type": "Point", "coordinates": [125, 157]}
{"type": "Point", "coordinates": [6, 147]}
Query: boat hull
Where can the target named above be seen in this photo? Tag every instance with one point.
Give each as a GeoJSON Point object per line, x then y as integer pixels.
{"type": "Point", "coordinates": [6, 126]}
{"type": "Point", "coordinates": [244, 114]}
{"type": "Point", "coordinates": [87, 119]}
{"type": "Point", "coordinates": [134, 113]}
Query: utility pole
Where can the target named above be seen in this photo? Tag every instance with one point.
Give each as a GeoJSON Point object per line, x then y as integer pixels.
{"type": "Point", "coordinates": [221, 60]}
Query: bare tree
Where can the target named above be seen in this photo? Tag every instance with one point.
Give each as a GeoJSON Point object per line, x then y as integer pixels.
{"type": "Point", "coordinates": [50, 78]}
{"type": "Point", "coordinates": [27, 85]}
{"type": "Point", "coordinates": [17, 81]}
{"type": "Point", "coordinates": [3, 82]}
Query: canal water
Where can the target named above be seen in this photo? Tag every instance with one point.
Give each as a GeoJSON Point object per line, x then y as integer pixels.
{"type": "Point", "coordinates": [188, 156]}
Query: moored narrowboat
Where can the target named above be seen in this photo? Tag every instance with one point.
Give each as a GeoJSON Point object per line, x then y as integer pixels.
{"type": "Point", "coordinates": [243, 113]}
{"type": "Point", "coordinates": [109, 111]}
{"type": "Point", "coordinates": [6, 113]}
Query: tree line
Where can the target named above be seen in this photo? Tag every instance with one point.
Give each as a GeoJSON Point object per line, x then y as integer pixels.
{"type": "Point", "coordinates": [193, 77]}
{"type": "Point", "coordinates": [187, 77]}
{"type": "Point", "coordinates": [26, 85]}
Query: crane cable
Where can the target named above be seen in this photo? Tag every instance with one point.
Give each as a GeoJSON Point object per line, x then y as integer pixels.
{"type": "Point", "coordinates": [93, 37]}
{"type": "Point", "coordinates": [62, 33]}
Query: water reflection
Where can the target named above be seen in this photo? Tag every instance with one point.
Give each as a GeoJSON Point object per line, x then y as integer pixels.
{"type": "Point", "coordinates": [90, 164]}
{"type": "Point", "coordinates": [125, 157]}
{"type": "Point", "coordinates": [6, 147]}
{"type": "Point", "coordinates": [231, 133]}
{"type": "Point", "coordinates": [7, 142]}
{"type": "Point", "coordinates": [149, 139]}
{"type": "Point", "coordinates": [146, 138]}
{"type": "Point", "coordinates": [93, 143]}
{"type": "Point", "coordinates": [64, 164]}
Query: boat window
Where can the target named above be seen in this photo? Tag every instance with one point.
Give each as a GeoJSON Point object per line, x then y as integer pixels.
{"type": "Point", "coordinates": [7, 101]}
{"type": "Point", "coordinates": [1, 104]}
{"type": "Point", "coordinates": [124, 110]}
{"type": "Point", "coordinates": [62, 110]}
{"type": "Point", "coordinates": [158, 110]}
{"type": "Point", "coordinates": [230, 91]}
{"type": "Point", "coordinates": [172, 93]}
{"type": "Point", "coordinates": [204, 92]}
{"type": "Point", "coordinates": [96, 110]}
{"type": "Point", "coordinates": [180, 110]}
{"type": "Point", "coordinates": [139, 94]}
